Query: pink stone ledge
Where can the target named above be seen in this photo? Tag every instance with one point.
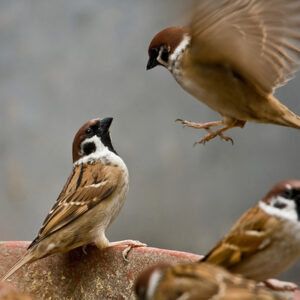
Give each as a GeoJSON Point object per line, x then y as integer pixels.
{"type": "Point", "coordinates": [75, 275]}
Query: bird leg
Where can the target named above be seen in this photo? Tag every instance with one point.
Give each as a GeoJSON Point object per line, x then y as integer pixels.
{"type": "Point", "coordinates": [200, 125]}
{"type": "Point", "coordinates": [212, 134]}
{"type": "Point", "coordinates": [129, 243]}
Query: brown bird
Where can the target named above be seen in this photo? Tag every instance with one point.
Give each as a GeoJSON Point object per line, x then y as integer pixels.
{"type": "Point", "coordinates": [265, 240]}
{"type": "Point", "coordinates": [232, 56]}
{"type": "Point", "coordinates": [90, 200]}
{"type": "Point", "coordinates": [192, 281]}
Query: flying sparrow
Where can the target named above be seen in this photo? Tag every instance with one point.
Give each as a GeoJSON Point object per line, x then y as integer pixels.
{"type": "Point", "coordinates": [194, 281]}
{"type": "Point", "coordinates": [266, 239]}
{"type": "Point", "coordinates": [90, 200]}
{"type": "Point", "coordinates": [232, 56]}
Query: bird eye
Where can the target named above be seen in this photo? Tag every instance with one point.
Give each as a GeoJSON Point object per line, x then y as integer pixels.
{"type": "Point", "coordinates": [88, 130]}
{"type": "Point", "coordinates": [288, 194]}
{"type": "Point", "coordinates": [291, 194]}
{"type": "Point", "coordinates": [154, 52]}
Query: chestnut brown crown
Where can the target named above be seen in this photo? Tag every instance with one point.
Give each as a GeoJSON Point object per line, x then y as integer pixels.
{"type": "Point", "coordinates": [288, 189]}
{"type": "Point", "coordinates": [94, 127]}
{"type": "Point", "coordinates": [163, 44]}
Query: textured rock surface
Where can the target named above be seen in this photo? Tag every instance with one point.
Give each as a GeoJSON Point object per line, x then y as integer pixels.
{"type": "Point", "coordinates": [75, 275]}
{"type": "Point", "coordinates": [8, 292]}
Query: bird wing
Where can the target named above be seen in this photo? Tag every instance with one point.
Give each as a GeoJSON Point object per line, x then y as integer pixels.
{"type": "Point", "coordinates": [257, 39]}
{"type": "Point", "coordinates": [87, 186]}
{"type": "Point", "coordinates": [188, 280]}
{"type": "Point", "coordinates": [207, 282]}
{"type": "Point", "coordinates": [259, 293]}
{"type": "Point", "coordinates": [250, 234]}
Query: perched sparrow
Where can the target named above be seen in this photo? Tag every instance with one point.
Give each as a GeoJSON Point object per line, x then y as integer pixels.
{"type": "Point", "coordinates": [266, 239]}
{"type": "Point", "coordinates": [232, 56]}
{"type": "Point", "coordinates": [194, 281]}
{"type": "Point", "coordinates": [90, 200]}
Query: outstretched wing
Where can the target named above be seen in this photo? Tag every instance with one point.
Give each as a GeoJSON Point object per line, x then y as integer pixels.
{"type": "Point", "coordinates": [257, 39]}
{"type": "Point", "coordinates": [86, 187]}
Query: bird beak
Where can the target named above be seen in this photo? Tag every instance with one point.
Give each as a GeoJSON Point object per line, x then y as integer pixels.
{"type": "Point", "coordinates": [105, 124]}
{"type": "Point", "coordinates": [152, 62]}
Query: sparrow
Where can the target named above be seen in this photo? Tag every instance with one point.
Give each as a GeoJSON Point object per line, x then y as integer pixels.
{"type": "Point", "coordinates": [90, 200]}
{"type": "Point", "coordinates": [192, 281]}
{"type": "Point", "coordinates": [232, 56]}
{"type": "Point", "coordinates": [265, 240]}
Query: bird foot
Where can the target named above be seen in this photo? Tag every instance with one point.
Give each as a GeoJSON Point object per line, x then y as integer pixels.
{"type": "Point", "coordinates": [207, 126]}
{"type": "Point", "coordinates": [279, 285]}
{"type": "Point", "coordinates": [212, 135]}
{"type": "Point", "coordinates": [130, 244]}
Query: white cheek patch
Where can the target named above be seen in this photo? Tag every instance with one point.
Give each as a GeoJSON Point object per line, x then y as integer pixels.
{"type": "Point", "coordinates": [100, 151]}
{"type": "Point", "coordinates": [153, 283]}
{"type": "Point", "coordinates": [179, 50]}
{"type": "Point", "coordinates": [288, 210]}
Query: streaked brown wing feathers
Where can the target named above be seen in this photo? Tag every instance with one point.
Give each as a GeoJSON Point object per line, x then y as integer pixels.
{"type": "Point", "coordinates": [258, 39]}
{"type": "Point", "coordinates": [188, 279]}
{"type": "Point", "coordinates": [249, 235]}
{"type": "Point", "coordinates": [86, 187]}
{"type": "Point", "coordinates": [208, 282]}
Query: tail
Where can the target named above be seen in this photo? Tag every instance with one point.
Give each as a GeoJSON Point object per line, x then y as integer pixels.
{"type": "Point", "coordinates": [283, 116]}
{"type": "Point", "coordinates": [22, 261]}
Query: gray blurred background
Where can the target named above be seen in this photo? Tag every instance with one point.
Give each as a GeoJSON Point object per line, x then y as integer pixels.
{"type": "Point", "coordinates": [65, 62]}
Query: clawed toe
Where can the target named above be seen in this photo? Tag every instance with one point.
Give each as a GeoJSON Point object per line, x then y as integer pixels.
{"type": "Point", "coordinates": [226, 138]}
{"type": "Point", "coordinates": [186, 123]}
{"type": "Point", "coordinates": [125, 253]}
{"type": "Point", "coordinates": [212, 135]}
{"type": "Point", "coordinates": [181, 121]}
{"type": "Point", "coordinates": [130, 245]}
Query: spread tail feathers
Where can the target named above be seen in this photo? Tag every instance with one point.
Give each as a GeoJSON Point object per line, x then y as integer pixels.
{"type": "Point", "coordinates": [22, 261]}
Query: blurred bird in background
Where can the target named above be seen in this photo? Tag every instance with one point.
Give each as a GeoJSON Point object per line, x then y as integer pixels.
{"type": "Point", "coordinates": [265, 240]}
{"type": "Point", "coordinates": [198, 282]}
{"type": "Point", "coordinates": [232, 56]}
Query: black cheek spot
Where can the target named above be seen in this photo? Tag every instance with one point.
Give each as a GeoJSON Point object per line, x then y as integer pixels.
{"type": "Point", "coordinates": [165, 55]}
{"type": "Point", "coordinates": [89, 148]}
{"type": "Point", "coordinates": [280, 205]}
